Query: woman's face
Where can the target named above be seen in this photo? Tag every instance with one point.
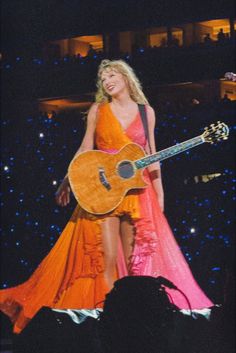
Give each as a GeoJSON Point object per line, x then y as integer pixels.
{"type": "Point", "coordinates": [113, 82]}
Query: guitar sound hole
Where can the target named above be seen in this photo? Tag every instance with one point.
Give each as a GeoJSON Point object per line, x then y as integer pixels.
{"type": "Point", "coordinates": [125, 170]}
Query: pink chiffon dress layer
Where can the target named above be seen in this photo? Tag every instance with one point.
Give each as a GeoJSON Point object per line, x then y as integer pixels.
{"type": "Point", "coordinates": [156, 252]}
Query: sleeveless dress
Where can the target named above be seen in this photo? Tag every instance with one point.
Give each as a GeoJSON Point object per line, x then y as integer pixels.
{"type": "Point", "coordinates": [71, 275]}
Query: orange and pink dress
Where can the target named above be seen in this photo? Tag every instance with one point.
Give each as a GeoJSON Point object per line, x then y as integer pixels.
{"type": "Point", "coordinates": [71, 275]}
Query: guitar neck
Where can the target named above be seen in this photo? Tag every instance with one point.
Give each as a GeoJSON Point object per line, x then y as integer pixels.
{"type": "Point", "coordinates": [169, 152]}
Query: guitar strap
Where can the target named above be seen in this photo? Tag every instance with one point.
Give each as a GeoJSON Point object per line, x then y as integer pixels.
{"type": "Point", "coordinates": [143, 113]}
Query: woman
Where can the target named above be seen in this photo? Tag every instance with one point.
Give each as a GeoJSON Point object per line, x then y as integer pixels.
{"type": "Point", "coordinates": [135, 239]}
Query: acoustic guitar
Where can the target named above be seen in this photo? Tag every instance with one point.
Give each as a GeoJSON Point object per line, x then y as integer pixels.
{"type": "Point", "coordinates": [100, 180]}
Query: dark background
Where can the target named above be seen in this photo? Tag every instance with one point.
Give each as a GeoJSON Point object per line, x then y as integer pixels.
{"type": "Point", "coordinates": [31, 221]}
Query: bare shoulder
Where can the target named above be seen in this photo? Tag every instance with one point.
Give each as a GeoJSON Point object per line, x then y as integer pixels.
{"type": "Point", "coordinates": [92, 113]}
{"type": "Point", "coordinates": [93, 109]}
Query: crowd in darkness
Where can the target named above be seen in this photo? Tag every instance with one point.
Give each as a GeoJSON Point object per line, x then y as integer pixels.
{"type": "Point", "coordinates": [210, 59]}
{"type": "Point", "coordinates": [137, 51]}
{"type": "Point", "coordinates": [199, 204]}
{"type": "Point", "coordinates": [37, 158]}
{"type": "Point", "coordinates": [199, 184]}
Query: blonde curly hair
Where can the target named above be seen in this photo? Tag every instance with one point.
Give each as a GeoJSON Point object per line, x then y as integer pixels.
{"type": "Point", "coordinates": [122, 67]}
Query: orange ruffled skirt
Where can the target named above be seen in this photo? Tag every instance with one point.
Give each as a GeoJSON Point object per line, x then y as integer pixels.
{"type": "Point", "coordinates": [71, 275]}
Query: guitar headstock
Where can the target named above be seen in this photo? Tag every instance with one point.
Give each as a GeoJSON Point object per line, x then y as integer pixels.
{"type": "Point", "coordinates": [216, 132]}
{"type": "Point", "coordinates": [231, 76]}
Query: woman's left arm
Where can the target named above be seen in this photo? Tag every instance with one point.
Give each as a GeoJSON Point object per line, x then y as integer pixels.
{"type": "Point", "coordinates": [154, 169]}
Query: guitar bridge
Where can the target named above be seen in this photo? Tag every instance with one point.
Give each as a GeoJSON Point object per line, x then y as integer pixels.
{"type": "Point", "coordinates": [103, 179]}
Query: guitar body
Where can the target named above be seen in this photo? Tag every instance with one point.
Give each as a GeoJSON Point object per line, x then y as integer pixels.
{"type": "Point", "coordinates": [100, 180]}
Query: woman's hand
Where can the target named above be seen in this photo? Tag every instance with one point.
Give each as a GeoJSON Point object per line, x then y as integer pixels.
{"type": "Point", "coordinates": [63, 193]}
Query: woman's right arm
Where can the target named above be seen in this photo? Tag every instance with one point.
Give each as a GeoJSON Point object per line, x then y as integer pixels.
{"type": "Point", "coordinates": [63, 192]}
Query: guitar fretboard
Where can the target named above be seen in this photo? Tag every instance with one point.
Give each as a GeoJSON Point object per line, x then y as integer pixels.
{"type": "Point", "coordinates": [169, 152]}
